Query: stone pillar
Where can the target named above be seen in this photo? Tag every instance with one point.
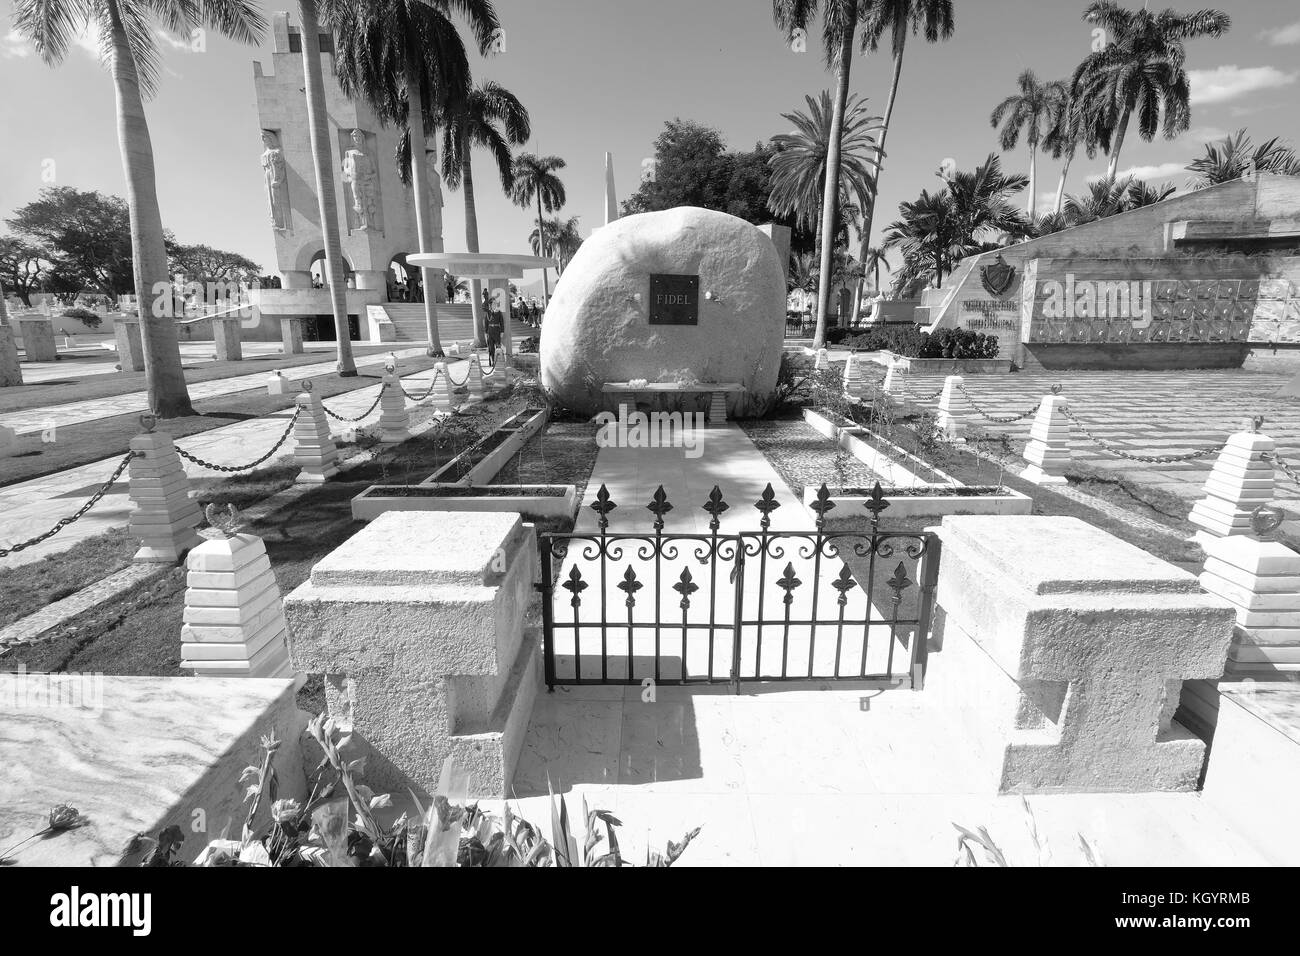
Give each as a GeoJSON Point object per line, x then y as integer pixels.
{"type": "Point", "coordinates": [503, 287]}
{"type": "Point", "coordinates": [234, 618]}
{"type": "Point", "coordinates": [1239, 483]}
{"type": "Point", "coordinates": [952, 408]}
{"type": "Point", "coordinates": [417, 623]}
{"type": "Point", "coordinates": [475, 373]}
{"type": "Point", "coordinates": [394, 420]}
{"type": "Point", "coordinates": [165, 515]}
{"type": "Point", "coordinates": [130, 344]}
{"type": "Point", "coordinates": [291, 334]}
{"type": "Point", "coordinates": [1064, 651]}
{"type": "Point", "coordinates": [1261, 580]}
{"type": "Point", "coordinates": [1048, 451]}
{"type": "Point", "coordinates": [443, 399]}
{"type": "Point", "coordinates": [313, 447]}
{"type": "Point", "coordinates": [896, 381]}
{"type": "Point", "coordinates": [855, 383]}
{"type": "Point", "coordinates": [226, 337]}
{"type": "Point", "coordinates": [38, 339]}
{"type": "Point", "coordinates": [822, 360]}
{"type": "Point", "coordinates": [275, 384]}
{"type": "Point", "coordinates": [11, 372]}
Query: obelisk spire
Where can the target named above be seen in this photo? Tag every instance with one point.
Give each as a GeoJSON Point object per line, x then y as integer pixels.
{"type": "Point", "coordinates": [611, 201]}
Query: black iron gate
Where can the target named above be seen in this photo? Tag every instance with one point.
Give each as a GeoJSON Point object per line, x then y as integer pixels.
{"type": "Point", "coordinates": [777, 605]}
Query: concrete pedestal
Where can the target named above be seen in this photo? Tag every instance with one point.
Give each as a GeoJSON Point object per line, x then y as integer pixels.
{"type": "Point", "coordinates": [226, 337]}
{"type": "Point", "coordinates": [822, 360]}
{"type": "Point", "coordinates": [1048, 451]}
{"type": "Point", "coordinates": [1261, 580]}
{"type": "Point", "coordinates": [954, 409]}
{"type": "Point", "coordinates": [475, 376]}
{"type": "Point", "coordinates": [165, 515]}
{"type": "Point", "coordinates": [291, 335]}
{"type": "Point", "coordinates": [130, 345]}
{"type": "Point", "coordinates": [896, 382]}
{"type": "Point", "coordinates": [1239, 483]}
{"type": "Point", "coordinates": [276, 384]}
{"type": "Point", "coordinates": [394, 421]}
{"type": "Point", "coordinates": [11, 372]}
{"type": "Point", "coordinates": [855, 381]}
{"type": "Point", "coordinates": [38, 339]}
{"type": "Point", "coordinates": [313, 449]}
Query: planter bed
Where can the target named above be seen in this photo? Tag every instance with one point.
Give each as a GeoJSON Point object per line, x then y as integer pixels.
{"type": "Point", "coordinates": [479, 464]}
{"type": "Point", "coordinates": [934, 500]}
{"type": "Point", "coordinates": [532, 501]}
{"type": "Point", "coordinates": [948, 366]}
{"type": "Point", "coordinates": [894, 465]}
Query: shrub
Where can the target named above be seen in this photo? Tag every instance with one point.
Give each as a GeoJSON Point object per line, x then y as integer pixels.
{"type": "Point", "coordinates": [913, 343]}
{"type": "Point", "coordinates": [84, 316]}
{"type": "Point", "coordinates": [528, 345]}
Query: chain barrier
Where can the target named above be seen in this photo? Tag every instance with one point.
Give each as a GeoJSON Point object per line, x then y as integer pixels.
{"type": "Point", "coordinates": [454, 383]}
{"type": "Point", "coordinates": [931, 398]}
{"type": "Point", "coordinates": [997, 420]}
{"type": "Point", "coordinates": [1286, 469]}
{"type": "Point", "coordinates": [64, 522]}
{"type": "Point", "coordinates": [364, 415]}
{"type": "Point", "coordinates": [1145, 459]}
{"type": "Point", "coordinates": [437, 373]}
{"type": "Point", "coordinates": [230, 469]}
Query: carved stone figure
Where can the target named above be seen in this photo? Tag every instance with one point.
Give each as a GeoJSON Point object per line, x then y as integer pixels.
{"type": "Point", "coordinates": [362, 179]}
{"type": "Point", "coordinates": [277, 181]}
{"type": "Point", "coordinates": [435, 195]}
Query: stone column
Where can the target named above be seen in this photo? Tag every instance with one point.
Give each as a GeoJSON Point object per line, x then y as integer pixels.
{"type": "Point", "coordinates": [291, 334]}
{"type": "Point", "coordinates": [822, 360]}
{"type": "Point", "coordinates": [165, 515]}
{"type": "Point", "coordinates": [1048, 451]}
{"type": "Point", "coordinates": [234, 618]}
{"type": "Point", "coordinates": [275, 384]}
{"type": "Point", "coordinates": [854, 381]}
{"type": "Point", "coordinates": [417, 623]}
{"type": "Point", "coordinates": [1239, 483]}
{"type": "Point", "coordinates": [475, 376]}
{"type": "Point", "coordinates": [442, 396]}
{"type": "Point", "coordinates": [952, 408]}
{"type": "Point", "coordinates": [313, 447]}
{"type": "Point", "coordinates": [896, 381]}
{"type": "Point", "coordinates": [1261, 580]}
{"type": "Point", "coordinates": [394, 420]}
{"type": "Point", "coordinates": [38, 339]}
{"type": "Point", "coordinates": [226, 337]}
{"type": "Point", "coordinates": [1064, 651]}
{"type": "Point", "coordinates": [130, 344]}
{"type": "Point", "coordinates": [11, 372]}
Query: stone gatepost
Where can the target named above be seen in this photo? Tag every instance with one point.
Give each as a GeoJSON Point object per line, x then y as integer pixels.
{"type": "Point", "coordinates": [953, 408]}
{"type": "Point", "coordinates": [855, 383]}
{"type": "Point", "coordinates": [475, 373]}
{"type": "Point", "coordinates": [896, 381]}
{"type": "Point", "coordinates": [1261, 580]}
{"type": "Point", "coordinates": [38, 339]}
{"type": "Point", "coordinates": [823, 359]}
{"type": "Point", "coordinates": [1240, 482]}
{"type": "Point", "coordinates": [11, 372]}
{"type": "Point", "coordinates": [130, 344]}
{"type": "Point", "coordinates": [234, 618]}
{"type": "Point", "coordinates": [417, 623]}
{"type": "Point", "coordinates": [1063, 654]}
{"type": "Point", "coordinates": [165, 516]}
{"type": "Point", "coordinates": [291, 335]}
{"type": "Point", "coordinates": [313, 446]}
{"type": "Point", "coordinates": [394, 420]}
{"type": "Point", "coordinates": [1048, 451]}
{"type": "Point", "coordinates": [226, 338]}
{"type": "Point", "coordinates": [275, 384]}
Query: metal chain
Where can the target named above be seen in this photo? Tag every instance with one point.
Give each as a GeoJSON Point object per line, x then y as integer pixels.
{"type": "Point", "coordinates": [456, 384]}
{"type": "Point", "coordinates": [930, 398]}
{"type": "Point", "coordinates": [437, 373]}
{"type": "Point", "coordinates": [64, 522]}
{"type": "Point", "coordinates": [234, 468]}
{"type": "Point", "coordinates": [1145, 459]}
{"type": "Point", "coordinates": [993, 418]}
{"type": "Point", "coordinates": [1286, 469]}
{"type": "Point", "coordinates": [364, 415]}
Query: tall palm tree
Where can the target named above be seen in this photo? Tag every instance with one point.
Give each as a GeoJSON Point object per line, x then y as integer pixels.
{"type": "Point", "coordinates": [894, 19]}
{"type": "Point", "coordinates": [128, 45]}
{"type": "Point", "coordinates": [1108, 197]}
{"type": "Point", "coordinates": [876, 257]}
{"type": "Point", "coordinates": [405, 58]}
{"type": "Point", "coordinates": [805, 270]}
{"type": "Point", "coordinates": [561, 237]}
{"type": "Point", "coordinates": [1065, 134]}
{"type": "Point", "coordinates": [535, 181]}
{"type": "Point", "coordinates": [1139, 70]}
{"type": "Point", "coordinates": [1032, 111]}
{"type": "Point", "coordinates": [1229, 158]}
{"type": "Point", "coordinates": [491, 117]}
{"type": "Point", "coordinates": [839, 25]}
{"type": "Point", "coordinates": [800, 163]}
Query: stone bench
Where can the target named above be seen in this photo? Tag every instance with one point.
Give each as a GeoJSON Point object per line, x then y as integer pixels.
{"type": "Point", "coordinates": [717, 392]}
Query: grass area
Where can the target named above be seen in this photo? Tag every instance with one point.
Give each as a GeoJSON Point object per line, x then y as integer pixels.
{"type": "Point", "coordinates": [92, 441]}
{"type": "Point", "coordinates": [107, 385]}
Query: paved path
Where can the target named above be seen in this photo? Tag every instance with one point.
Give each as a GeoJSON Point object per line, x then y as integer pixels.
{"type": "Point", "coordinates": [85, 360]}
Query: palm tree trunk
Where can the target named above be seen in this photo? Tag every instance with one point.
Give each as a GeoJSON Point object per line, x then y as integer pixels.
{"type": "Point", "coordinates": [831, 194]}
{"type": "Point", "coordinates": [1033, 175]}
{"type": "Point", "coordinates": [1060, 187]}
{"type": "Point", "coordinates": [419, 180]}
{"type": "Point", "coordinates": [164, 377]}
{"type": "Point", "coordinates": [322, 158]}
{"type": "Point", "coordinates": [1116, 144]}
{"type": "Point", "coordinates": [868, 214]}
{"type": "Point", "coordinates": [541, 244]}
{"type": "Point", "coordinates": [471, 241]}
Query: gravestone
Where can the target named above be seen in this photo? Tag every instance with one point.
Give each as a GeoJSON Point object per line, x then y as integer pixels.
{"type": "Point", "coordinates": [11, 372]}
{"type": "Point", "coordinates": [130, 346]}
{"type": "Point", "coordinates": [38, 339]}
{"type": "Point", "coordinates": [226, 338]}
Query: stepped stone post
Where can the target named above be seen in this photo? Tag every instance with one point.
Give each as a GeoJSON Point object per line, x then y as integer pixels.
{"type": "Point", "coordinates": [394, 421]}
{"type": "Point", "coordinates": [1064, 651]}
{"type": "Point", "coordinates": [275, 384]}
{"type": "Point", "coordinates": [38, 339]}
{"type": "Point", "coordinates": [442, 396]}
{"type": "Point", "coordinates": [291, 335]}
{"type": "Point", "coordinates": [234, 618]}
{"type": "Point", "coordinates": [130, 344]}
{"type": "Point", "coordinates": [417, 622]}
{"type": "Point", "coordinates": [11, 372]}
{"type": "Point", "coordinates": [226, 338]}
{"type": "Point", "coordinates": [822, 360]}
{"type": "Point", "coordinates": [855, 383]}
{"type": "Point", "coordinates": [1048, 451]}
{"type": "Point", "coordinates": [475, 376]}
{"type": "Point", "coordinates": [953, 408]}
{"type": "Point", "coordinates": [313, 447]}
{"type": "Point", "coordinates": [1261, 580]}
{"type": "Point", "coordinates": [165, 516]}
{"type": "Point", "coordinates": [896, 381]}
{"type": "Point", "coordinates": [1240, 482]}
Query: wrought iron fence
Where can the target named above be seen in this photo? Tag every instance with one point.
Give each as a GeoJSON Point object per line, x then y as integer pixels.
{"type": "Point", "coordinates": [750, 605]}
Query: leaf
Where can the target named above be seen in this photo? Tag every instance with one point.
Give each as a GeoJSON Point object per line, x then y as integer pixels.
{"type": "Point", "coordinates": [381, 800]}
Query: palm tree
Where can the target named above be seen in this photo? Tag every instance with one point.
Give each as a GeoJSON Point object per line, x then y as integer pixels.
{"type": "Point", "coordinates": [1140, 69]}
{"type": "Point", "coordinates": [1032, 111]}
{"type": "Point", "coordinates": [876, 257]}
{"type": "Point", "coordinates": [128, 45]}
{"type": "Point", "coordinates": [535, 181]}
{"type": "Point", "coordinates": [491, 117]}
{"type": "Point", "coordinates": [1230, 158]}
{"type": "Point", "coordinates": [405, 57]}
{"type": "Point", "coordinates": [925, 233]}
{"type": "Point", "coordinates": [1108, 197]}
{"type": "Point", "coordinates": [839, 25]}
{"type": "Point", "coordinates": [805, 269]}
{"type": "Point", "coordinates": [933, 19]}
{"type": "Point", "coordinates": [564, 238]}
{"type": "Point", "coordinates": [801, 159]}
{"type": "Point", "coordinates": [1065, 134]}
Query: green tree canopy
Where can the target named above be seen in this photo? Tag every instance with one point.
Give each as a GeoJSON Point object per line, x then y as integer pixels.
{"type": "Point", "coordinates": [87, 236]}
{"type": "Point", "coordinates": [200, 263]}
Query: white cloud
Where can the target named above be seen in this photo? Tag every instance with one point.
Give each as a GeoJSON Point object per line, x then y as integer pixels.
{"type": "Point", "coordinates": [176, 43]}
{"type": "Point", "coordinates": [1224, 83]}
{"type": "Point", "coordinates": [1146, 173]}
{"type": "Point", "coordinates": [14, 47]}
{"type": "Point", "coordinates": [1288, 35]}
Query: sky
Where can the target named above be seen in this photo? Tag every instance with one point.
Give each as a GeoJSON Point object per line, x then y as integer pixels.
{"type": "Point", "coordinates": [604, 75]}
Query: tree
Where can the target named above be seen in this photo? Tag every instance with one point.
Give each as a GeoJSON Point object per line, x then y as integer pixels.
{"type": "Point", "coordinates": [200, 263]}
{"type": "Point", "coordinates": [933, 19]}
{"type": "Point", "coordinates": [876, 257]}
{"type": "Point", "coordinates": [1229, 158]}
{"type": "Point", "coordinates": [1031, 111]}
{"type": "Point", "coordinates": [535, 181]}
{"type": "Point", "coordinates": [128, 46]}
{"type": "Point", "coordinates": [561, 237]}
{"type": "Point", "coordinates": [1065, 134]}
{"type": "Point", "coordinates": [87, 236]}
{"type": "Point", "coordinates": [1139, 70]}
{"type": "Point", "coordinates": [1108, 197]}
{"type": "Point", "coordinates": [799, 165]}
{"type": "Point", "coordinates": [22, 264]}
{"type": "Point", "coordinates": [490, 117]}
